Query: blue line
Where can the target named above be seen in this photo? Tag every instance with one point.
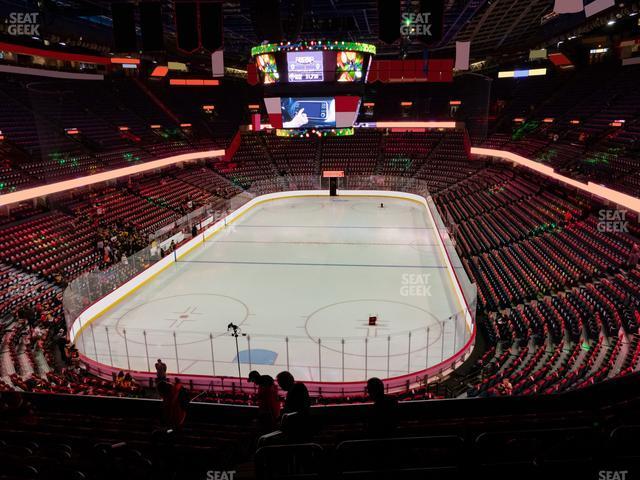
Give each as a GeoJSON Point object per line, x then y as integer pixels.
{"type": "Point", "coordinates": [444, 267]}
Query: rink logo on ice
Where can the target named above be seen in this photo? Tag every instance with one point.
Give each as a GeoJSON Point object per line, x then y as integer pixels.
{"type": "Point", "coordinates": [613, 221]}
{"type": "Point", "coordinates": [21, 23]}
{"type": "Point", "coordinates": [415, 285]}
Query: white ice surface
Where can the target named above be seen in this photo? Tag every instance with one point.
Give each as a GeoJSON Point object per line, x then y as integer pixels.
{"type": "Point", "coordinates": [302, 269]}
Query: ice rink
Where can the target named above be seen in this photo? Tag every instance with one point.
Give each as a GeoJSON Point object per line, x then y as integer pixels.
{"type": "Point", "coordinates": [300, 276]}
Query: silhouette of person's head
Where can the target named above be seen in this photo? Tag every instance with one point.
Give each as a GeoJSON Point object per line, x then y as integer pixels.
{"type": "Point", "coordinates": [375, 388]}
{"type": "Point", "coordinates": [285, 380]}
{"type": "Point", "coordinates": [254, 376]}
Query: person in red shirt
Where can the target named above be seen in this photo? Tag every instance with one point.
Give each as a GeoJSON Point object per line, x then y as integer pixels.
{"type": "Point", "coordinates": [267, 400]}
{"type": "Point", "coordinates": [175, 399]}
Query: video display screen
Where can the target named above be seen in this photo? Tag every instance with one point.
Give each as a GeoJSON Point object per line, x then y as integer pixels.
{"type": "Point", "coordinates": [311, 66]}
{"type": "Point", "coordinates": [349, 66]}
{"type": "Point", "coordinates": [268, 67]}
{"type": "Point", "coordinates": [308, 112]}
{"type": "Point", "coordinates": [305, 66]}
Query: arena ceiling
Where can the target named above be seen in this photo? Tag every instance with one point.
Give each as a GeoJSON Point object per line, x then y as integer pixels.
{"type": "Point", "coordinates": [486, 23]}
{"type": "Point", "coordinates": [490, 25]}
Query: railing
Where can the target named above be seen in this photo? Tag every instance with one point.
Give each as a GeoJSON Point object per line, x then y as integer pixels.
{"type": "Point", "coordinates": [338, 365]}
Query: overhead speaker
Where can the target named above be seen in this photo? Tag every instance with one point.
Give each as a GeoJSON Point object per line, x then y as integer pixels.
{"type": "Point", "coordinates": [211, 30]}
{"type": "Point", "coordinates": [389, 20]}
{"type": "Point", "coordinates": [187, 26]}
{"type": "Point", "coordinates": [124, 27]}
{"type": "Point", "coordinates": [151, 25]}
{"type": "Point", "coordinates": [265, 15]}
{"type": "Point", "coordinates": [432, 31]}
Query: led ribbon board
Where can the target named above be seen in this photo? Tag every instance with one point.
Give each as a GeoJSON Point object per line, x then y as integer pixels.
{"type": "Point", "coordinates": [319, 45]}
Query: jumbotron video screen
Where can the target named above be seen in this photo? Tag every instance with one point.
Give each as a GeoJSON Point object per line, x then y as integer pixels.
{"type": "Point", "coordinates": [344, 62]}
{"type": "Point", "coordinates": [313, 85]}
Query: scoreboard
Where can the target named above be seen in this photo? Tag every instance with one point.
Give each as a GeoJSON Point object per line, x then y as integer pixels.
{"type": "Point", "coordinates": [313, 85]}
{"type": "Point", "coordinates": [305, 66]}
{"type": "Point", "coordinates": [342, 62]}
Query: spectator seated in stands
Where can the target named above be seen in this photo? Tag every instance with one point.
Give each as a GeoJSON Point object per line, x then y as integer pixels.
{"type": "Point", "coordinates": [295, 422]}
{"type": "Point", "coordinates": [119, 379]}
{"type": "Point", "coordinates": [71, 354]}
{"type": "Point", "coordinates": [124, 382]}
{"type": "Point", "coordinates": [128, 383]}
{"type": "Point", "coordinates": [505, 387]}
{"type": "Point", "coordinates": [383, 419]}
{"type": "Point", "coordinates": [295, 414]}
{"type": "Point", "coordinates": [117, 242]}
{"type": "Point", "coordinates": [297, 400]}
